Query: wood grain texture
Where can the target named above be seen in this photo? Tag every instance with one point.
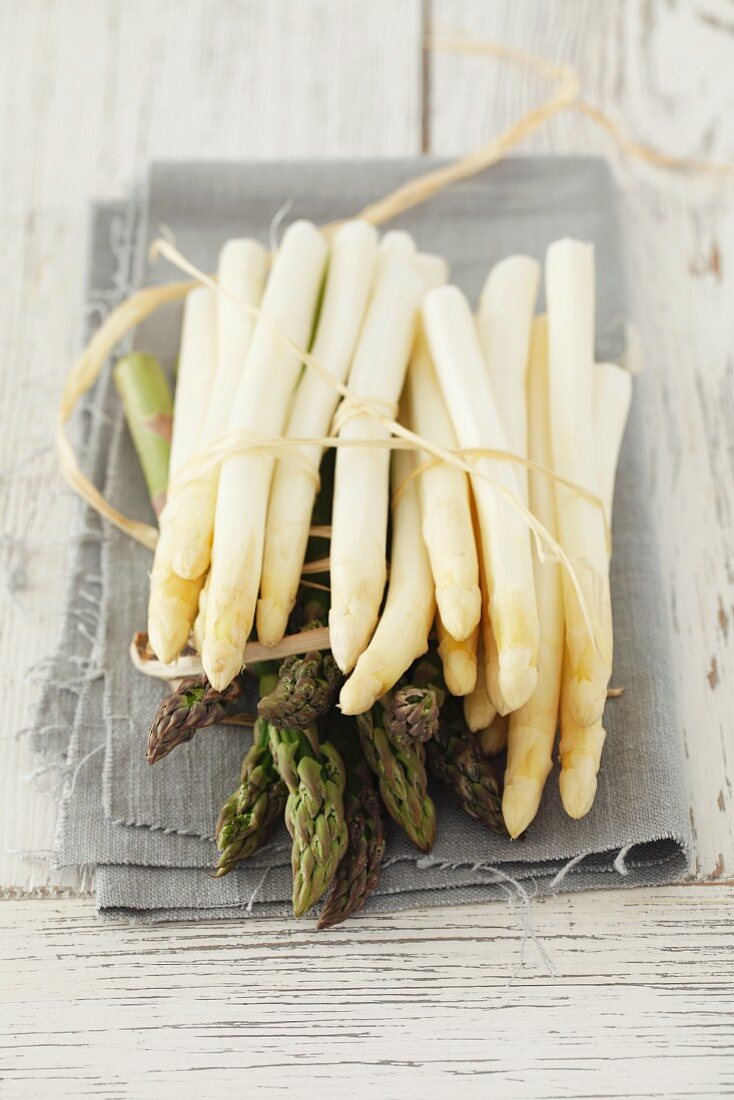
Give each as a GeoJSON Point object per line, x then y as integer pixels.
{"type": "Point", "coordinates": [630, 998]}
{"type": "Point", "coordinates": [90, 90]}
{"type": "Point", "coordinates": [605, 995]}
{"type": "Point", "coordinates": [665, 72]}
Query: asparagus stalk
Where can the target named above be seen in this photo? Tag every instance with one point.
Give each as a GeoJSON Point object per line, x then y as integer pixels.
{"type": "Point", "coordinates": [445, 507]}
{"type": "Point", "coordinates": [570, 294]}
{"type": "Point", "coordinates": [249, 815]}
{"type": "Point", "coordinates": [197, 366]}
{"type": "Point", "coordinates": [358, 873]}
{"type": "Point", "coordinates": [358, 537]}
{"type": "Point", "coordinates": [305, 691]}
{"type": "Point", "coordinates": [504, 321]}
{"type": "Point", "coordinates": [459, 659]}
{"type": "Point", "coordinates": [193, 705]}
{"type": "Point", "coordinates": [399, 765]}
{"type": "Point", "coordinates": [146, 399]}
{"type": "Point", "coordinates": [479, 710]}
{"type": "Point", "coordinates": [241, 272]}
{"type": "Point", "coordinates": [174, 600]}
{"type": "Point", "coordinates": [532, 729]}
{"type": "Point", "coordinates": [505, 541]}
{"type": "Point", "coordinates": [402, 632]}
{"type": "Point", "coordinates": [455, 758]}
{"type": "Point", "coordinates": [581, 747]}
{"type": "Point", "coordinates": [348, 283]}
{"type": "Point", "coordinates": [261, 405]}
{"type": "Point", "coordinates": [314, 812]}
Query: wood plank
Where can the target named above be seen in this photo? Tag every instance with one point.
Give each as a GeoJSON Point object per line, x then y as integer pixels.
{"type": "Point", "coordinates": [664, 72]}
{"type": "Point", "coordinates": [568, 998]}
{"type": "Point", "coordinates": [89, 92]}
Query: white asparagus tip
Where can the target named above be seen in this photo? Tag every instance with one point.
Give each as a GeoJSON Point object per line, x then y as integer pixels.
{"type": "Point", "coordinates": [190, 559]}
{"type": "Point", "coordinates": [587, 696]}
{"type": "Point", "coordinates": [520, 803]}
{"type": "Point", "coordinates": [272, 621]}
{"type": "Point", "coordinates": [578, 787]}
{"type": "Point", "coordinates": [222, 661]}
{"type": "Point", "coordinates": [460, 609]}
{"type": "Point", "coordinates": [459, 672]}
{"type": "Point", "coordinates": [518, 678]}
{"type": "Point", "coordinates": [348, 637]}
{"type": "Point", "coordinates": [359, 693]}
{"type": "Point", "coordinates": [478, 711]}
{"type": "Point", "coordinates": [165, 642]}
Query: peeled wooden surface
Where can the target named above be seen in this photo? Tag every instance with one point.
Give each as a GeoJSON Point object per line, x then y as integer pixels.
{"type": "Point", "coordinates": [623, 994]}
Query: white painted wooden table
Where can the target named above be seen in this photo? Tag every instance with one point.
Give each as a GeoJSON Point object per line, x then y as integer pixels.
{"type": "Point", "coordinates": [614, 994]}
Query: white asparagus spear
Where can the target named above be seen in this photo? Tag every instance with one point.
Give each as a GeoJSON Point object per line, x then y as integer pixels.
{"type": "Point", "coordinates": [505, 540]}
{"type": "Point", "coordinates": [532, 729]}
{"type": "Point", "coordinates": [433, 270]}
{"type": "Point", "coordinates": [459, 659]}
{"type": "Point", "coordinates": [361, 480]}
{"type": "Point", "coordinates": [479, 710]}
{"type": "Point", "coordinates": [581, 527]}
{"type": "Point", "coordinates": [261, 405]}
{"type": "Point", "coordinates": [445, 503]}
{"type": "Point", "coordinates": [173, 601]}
{"type": "Point", "coordinates": [581, 747]}
{"type": "Point", "coordinates": [504, 320]}
{"type": "Point", "coordinates": [348, 284]}
{"type": "Point", "coordinates": [396, 244]}
{"type": "Point", "coordinates": [190, 520]}
{"type": "Point", "coordinates": [402, 632]}
{"type": "Point", "coordinates": [197, 366]}
{"type": "Point", "coordinates": [504, 323]}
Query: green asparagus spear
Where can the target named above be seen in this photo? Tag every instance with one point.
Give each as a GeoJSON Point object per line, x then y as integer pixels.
{"type": "Point", "coordinates": [455, 757]}
{"type": "Point", "coordinates": [399, 765]}
{"type": "Point", "coordinates": [359, 871]}
{"type": "Point", "coordinates": [193, 705]}
{"type": "Point", "coordinates": [146, 398]}
{"type": "Point", "coordinates": [304, 692]}
{"type": "Point", "coordinates": [411, 713]}
{"type": "Point", "coordinates": [314, 811]}
{"type": "Point", "coordinates": [248, 816]}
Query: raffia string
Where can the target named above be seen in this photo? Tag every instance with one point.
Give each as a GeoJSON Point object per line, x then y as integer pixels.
{"type": "Point", "coordinates": [143, 303]}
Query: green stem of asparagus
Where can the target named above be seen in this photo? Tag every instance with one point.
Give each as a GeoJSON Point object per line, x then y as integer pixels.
{"type": "Point", "coordinates": [359, 871]}
{"type": "Point", "coordinates": [146, 399]}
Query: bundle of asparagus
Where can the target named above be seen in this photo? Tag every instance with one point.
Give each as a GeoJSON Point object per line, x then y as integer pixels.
{"type": "Point", "coordinates": [504, 435]}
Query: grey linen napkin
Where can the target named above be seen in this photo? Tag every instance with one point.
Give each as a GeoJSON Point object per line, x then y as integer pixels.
{"type": "Point", "coordinates": [151, 840]}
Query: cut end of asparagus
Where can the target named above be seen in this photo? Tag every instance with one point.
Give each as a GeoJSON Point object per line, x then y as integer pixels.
{"type": "Point", "coordinates": [360, 692]}
{"type": "Point", "coordinates": [272, 621]}
{"type": "Point", "coordinates": [520, 803]}
{"type": "Point", "coordinates": [460, 609]}
{"type": "Point", "coordinates": [578, 787]}
{"type": "Point", "coordinates": [518, 679]}
{"type": "Point", "coordinates": [222, 662]}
